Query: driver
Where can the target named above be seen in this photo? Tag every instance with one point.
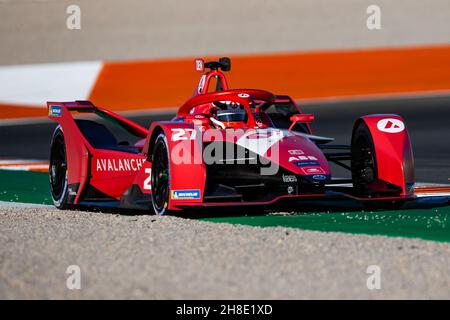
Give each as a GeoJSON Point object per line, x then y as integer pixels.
{"type": "Point", "coordinates": [228, 114]}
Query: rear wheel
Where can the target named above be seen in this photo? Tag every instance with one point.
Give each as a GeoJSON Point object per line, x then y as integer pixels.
{"type": "Point", "coordinates": [160, 176]}
{"type": "Point", "coordinates": [58, 170]}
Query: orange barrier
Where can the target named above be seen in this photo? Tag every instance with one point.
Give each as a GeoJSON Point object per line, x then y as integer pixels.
{"type": "Point", "coordinates": [124, 86]}
{"type": "Point", "coordinates": [301, 75]}
{"type": "Point", "coordinates": [23, 165]}
{"type": "Point", "coordinates": [11, 111]}
{"type": "Point", "coordinates": [431, 189]}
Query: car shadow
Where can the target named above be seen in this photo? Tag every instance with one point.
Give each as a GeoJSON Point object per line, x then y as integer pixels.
{"type": "Point", "coordinates": [301, 208]}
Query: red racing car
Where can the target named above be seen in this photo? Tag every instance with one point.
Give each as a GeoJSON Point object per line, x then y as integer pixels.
{"type": "Point", "coordinates": [225, 147]}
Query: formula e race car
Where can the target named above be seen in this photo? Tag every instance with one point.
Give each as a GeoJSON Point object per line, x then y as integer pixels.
{"type": "Point", "coordinates": [224, 148]}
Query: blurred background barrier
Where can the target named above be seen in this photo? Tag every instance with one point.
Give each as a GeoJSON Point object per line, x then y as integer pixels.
{"type": "Point", "coordinates": [160, 84]}
{"type": "Point", "coordinates": [36, 31]}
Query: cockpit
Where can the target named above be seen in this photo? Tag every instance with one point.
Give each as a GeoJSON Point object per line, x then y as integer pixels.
{"type": "Point", "coordinates": [238, 108]}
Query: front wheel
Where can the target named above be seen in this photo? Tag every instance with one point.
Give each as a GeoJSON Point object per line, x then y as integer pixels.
{"type": "Point", "coordinates": [363, 160]}
{"type": "Point", "coordinates": [160, 176]}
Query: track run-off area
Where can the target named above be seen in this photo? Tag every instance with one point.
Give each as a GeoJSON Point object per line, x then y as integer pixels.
{"type": "Point", "coordinates": [296, 255]}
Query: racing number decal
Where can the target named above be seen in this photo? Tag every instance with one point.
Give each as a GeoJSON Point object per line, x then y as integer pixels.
{"type": "Point", "coordinates": [148, 180]}
{"type": "Point", "coordinates": [183, 134]}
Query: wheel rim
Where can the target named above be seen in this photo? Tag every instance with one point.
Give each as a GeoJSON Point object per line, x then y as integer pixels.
{"type": "Point", "coordinates": [363, 165]}
{"type": "Point", "coordinates": [58, 167]}
{"type": "Point", "coordinates": [160, 177]}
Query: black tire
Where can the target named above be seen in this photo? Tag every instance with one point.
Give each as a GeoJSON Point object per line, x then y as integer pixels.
{"type": "Point", "coordinates": [160, 176]}
{"type": "Point", "coordinates": [363, 160]}
{"type": "Point", "coordinates": [58, 170]}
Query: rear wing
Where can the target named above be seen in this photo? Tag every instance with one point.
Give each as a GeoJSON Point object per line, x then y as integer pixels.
{"type": "Point", "coordinates": [60, 110]}
{"type": "Point", "coordinates": [78, 148]}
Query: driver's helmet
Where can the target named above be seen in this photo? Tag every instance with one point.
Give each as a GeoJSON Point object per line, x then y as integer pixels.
{"type": "Point", "coordinates": [231, 114]}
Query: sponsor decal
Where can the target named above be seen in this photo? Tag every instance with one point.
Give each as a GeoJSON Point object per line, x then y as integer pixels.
{"type": "Point", "coordinates": [201, 84]}
{"type": "Point", "coordinates": [243, 95]}
{"type": "Point", "coordinates": [231, 104]}
{"type": "Point", "coordinates": [302, 158]}
{"type": "Point", "coordinates": [390, 125]}
{"type": "Point", "coordinates": [307, 163]}
{"type": "Point", "coordinates": [111, 165]}
{"type": "Point", "coordinates": [55, 111]}
{"type": "Point", "coordinates": [72, 192]}
{"type": "Point", "coordinates": [295, 152]}
{"type": "Point", "coordinates": [313, 170]}
{"type": "Point", "coordinates": [185, 194]}
{"type": "Point", "coordinates": [319, 177]}
{"type": "Point", "coordinates": [289, 178]}
{"type": "Point", "coordinates": [148, 181]}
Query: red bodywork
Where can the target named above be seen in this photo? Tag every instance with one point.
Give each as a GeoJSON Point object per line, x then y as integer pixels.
{"type": "Point", "coordinates": [120, 176]}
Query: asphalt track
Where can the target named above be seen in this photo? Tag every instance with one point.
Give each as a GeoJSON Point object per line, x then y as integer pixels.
{"type": "Point", "coordinates": [148, 257]}
{"type": "Point", "coordinates": [427, 120]}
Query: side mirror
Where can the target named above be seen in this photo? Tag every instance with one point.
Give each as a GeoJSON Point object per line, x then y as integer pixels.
{"type": "Point", "coordinates": [302, 118]}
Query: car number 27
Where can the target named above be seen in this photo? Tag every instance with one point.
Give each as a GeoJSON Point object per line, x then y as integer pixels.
{"type": "Point", "coordinates": [148, 181]}
{"type": "Point", "coordinates": [183, 134]}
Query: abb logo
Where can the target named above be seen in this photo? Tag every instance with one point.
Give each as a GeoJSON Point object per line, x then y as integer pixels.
{"type": "Point", "coordinates": [302, 158]}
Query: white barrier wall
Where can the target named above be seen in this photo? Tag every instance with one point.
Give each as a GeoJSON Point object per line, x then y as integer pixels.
{"type": "Point", "coordinates": [35, 31]}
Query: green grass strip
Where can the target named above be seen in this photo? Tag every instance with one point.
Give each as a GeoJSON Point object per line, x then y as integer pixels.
{"type": "Point", "coordinates": [24, 186]}
{"type": "Point", "coordinates": [429, 224]}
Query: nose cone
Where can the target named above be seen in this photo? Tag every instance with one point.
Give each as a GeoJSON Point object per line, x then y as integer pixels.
{"type": "Point", "coordinates": [301, 156]}
{"type": "Point", "coordinates": [294, 153]}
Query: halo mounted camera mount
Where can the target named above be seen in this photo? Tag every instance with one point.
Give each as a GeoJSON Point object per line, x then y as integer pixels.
{"type": "Point", "coordinates": [223, 64]}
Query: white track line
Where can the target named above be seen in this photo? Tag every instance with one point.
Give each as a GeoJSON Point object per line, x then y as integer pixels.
{"type": "Point", "coordinates": [6, 204]}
